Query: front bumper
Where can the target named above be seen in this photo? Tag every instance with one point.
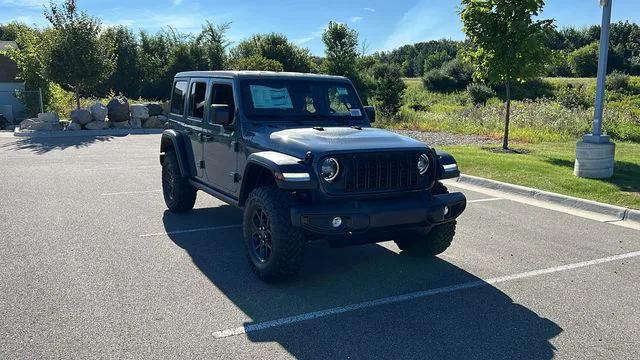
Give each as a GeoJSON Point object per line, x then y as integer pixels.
{"type": "Point", "coordinates": [358, 216]}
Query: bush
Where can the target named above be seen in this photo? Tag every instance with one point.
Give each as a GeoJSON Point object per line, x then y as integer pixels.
{"type": "Point", "coordinates": [388, 88]}
{"type": "Point", "coordinates": [617, 81]}
{"type": "Point", "coordinates": [480, 93]}
{"type": "Point", "coordinates": [584, 61]}
{"type": "Point", "coordinates": [453, 75]}
{"type": "Point", "coordinates": [573, 97]}
{"type": "Point", "coordinates": [437, 80]}
{"type": "Point", "coordinates": [256, 62]}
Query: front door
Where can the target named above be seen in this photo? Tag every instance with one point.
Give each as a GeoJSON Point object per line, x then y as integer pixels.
{"type": "Point", "coordinates": [220, 148]}
{"type": "Point", "coordinates": [196, 106]}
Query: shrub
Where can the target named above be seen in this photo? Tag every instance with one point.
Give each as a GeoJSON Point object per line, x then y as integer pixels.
{"type": "Point", "coordinates": [573, 97]}
{"type": "Point", "coordinates": [480, 93]}
{"type": "Point", "coordinates": [617, 81]}
{"type": "Point", "coordinates": [584, 61]}
{"type": "Point", "coordinates": [437, 80]}
{"type": "Point", "coordinates": [453, 75]}
{"type": "Point", "coordinates": [388, 88]}
{"type": "Point", "coordinates": [257, 62]}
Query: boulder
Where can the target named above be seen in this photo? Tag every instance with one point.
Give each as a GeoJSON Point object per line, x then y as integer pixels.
{"type": "Point", "coordinates": [135, 123]}
{"type": "Point", "coordinates": [166, 106]}
{"type": "Point", "coordinates": [49, 117]}
{"type": "Point", "coordinates": [118, 109]}
{"type": "Point", "coordinates": [121, 125]}
{"type": "Point", "coordinates": [99, 112]}
{"type": "Point", "coordinates": [155, 122]}
{"type": "Point", "coordinates": [37, 125]}
{"type": "Point", "coordinates": [97, 125]}
{"type": "Point", "coordinates": [81, 116]}
{"type": "Point", "coordinates": [74, 126]}
{"type": "Point", "coordinates": [155, 109]}
{"type": "Point", "coordinates": [139, 111]}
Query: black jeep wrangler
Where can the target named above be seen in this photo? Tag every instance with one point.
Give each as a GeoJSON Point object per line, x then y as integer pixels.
{"type": "Point", "coordinates": [298, 154]}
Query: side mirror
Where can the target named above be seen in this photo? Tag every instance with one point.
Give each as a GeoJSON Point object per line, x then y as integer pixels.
{"type": "Point", "coordinates": [220, 114]}
{"type": "Point", "coordinates": [371, 113]}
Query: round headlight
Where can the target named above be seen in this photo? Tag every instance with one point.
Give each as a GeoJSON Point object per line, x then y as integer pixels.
{"type": "Point", "coordinates": [423, 164]}
{"type": "Point", "coordinates": [330, 169]}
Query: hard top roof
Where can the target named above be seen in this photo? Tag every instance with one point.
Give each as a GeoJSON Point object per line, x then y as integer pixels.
{"type": "Point", "coordinates": [257, 74]}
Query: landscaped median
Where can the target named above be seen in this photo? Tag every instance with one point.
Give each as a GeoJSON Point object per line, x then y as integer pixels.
{"type": "Point", "coordinates": [549, 167]}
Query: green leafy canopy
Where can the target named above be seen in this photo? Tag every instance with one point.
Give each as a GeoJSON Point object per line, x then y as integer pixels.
{"type": "Point", "coordinates": [508, 43]}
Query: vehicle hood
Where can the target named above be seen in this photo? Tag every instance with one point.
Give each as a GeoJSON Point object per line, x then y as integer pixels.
{"type": "Point", "coordinates": [297, 142]}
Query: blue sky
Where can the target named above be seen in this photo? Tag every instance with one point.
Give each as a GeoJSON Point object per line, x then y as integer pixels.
{"type": "Point", "coordinates": [383, 24]}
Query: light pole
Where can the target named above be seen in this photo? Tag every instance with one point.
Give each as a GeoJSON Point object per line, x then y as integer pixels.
{"type": "Point", "coordinates": [595, 153]}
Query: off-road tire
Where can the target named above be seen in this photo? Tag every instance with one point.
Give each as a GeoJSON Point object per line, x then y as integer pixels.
{"type": "Point", "coordinates": [287, 243]}
{"type": "Point", "coordinates": [179, 195]}
{"type": "Point", "coordinates": [423, 242]}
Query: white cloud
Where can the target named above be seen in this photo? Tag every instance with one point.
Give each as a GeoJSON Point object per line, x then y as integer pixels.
{"type": "Point", "coordinates": [26, 3]}
{"type": "Point", "coordinates": [356, 18]}
{"type": "Point", "coordinates": [424, 21]}
{"type": "Point", "coordinates": [369, 9]}
{"type": "Point", "coordinates": [176, 2]}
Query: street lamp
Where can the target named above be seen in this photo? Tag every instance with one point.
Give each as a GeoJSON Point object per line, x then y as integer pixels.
{"type": "Point", "coordinates": [595, 153]}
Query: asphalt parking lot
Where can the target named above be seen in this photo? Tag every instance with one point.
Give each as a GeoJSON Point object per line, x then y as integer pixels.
{"type": "Point", "coordinates": [93, 266]}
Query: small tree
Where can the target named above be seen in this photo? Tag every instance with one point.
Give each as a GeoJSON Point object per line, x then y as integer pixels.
{"type": "Point", "coordinates": [341, 50]}
{"type": "Point", "coordinates": [508, 44]}
{"type": "Point", "coordinates": [127, 74]}
{"type": "Point", "coordinates": [388, 88]}
{"type": "Point", "coordinates": [76, 59]}
{"type": "Point", "coordinates": [584, 61]}
{"type": "Point", "coordinates": [274, 47]}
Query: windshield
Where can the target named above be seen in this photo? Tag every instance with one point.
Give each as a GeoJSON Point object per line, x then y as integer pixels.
{"type": "Point", "coordinates": [300, 100]}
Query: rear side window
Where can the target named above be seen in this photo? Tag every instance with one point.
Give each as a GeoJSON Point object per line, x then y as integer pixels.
{"type": "Point", "coordinates": [178, 97]}
{"type": "Point", "coordinates": [222, 94]}
{"type": "Point", "coordinates": [197, 99]}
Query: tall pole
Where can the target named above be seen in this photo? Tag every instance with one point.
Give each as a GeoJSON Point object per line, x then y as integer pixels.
{"type": "Point", "coordinates": [602, 68]}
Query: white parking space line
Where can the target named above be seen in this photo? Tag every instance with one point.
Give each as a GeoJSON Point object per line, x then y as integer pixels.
{"type": "Point", "coordinates": [415, 295]}
{"type": "Point", "coordinates": [484, 200]}
{"type": "Point", "coordinates": [131, 192]}
{"type": "Point", "coordinates": [192, 230]}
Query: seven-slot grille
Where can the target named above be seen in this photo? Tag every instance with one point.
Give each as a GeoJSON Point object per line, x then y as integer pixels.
{"type": "Point", "coordinates": [376, 172]}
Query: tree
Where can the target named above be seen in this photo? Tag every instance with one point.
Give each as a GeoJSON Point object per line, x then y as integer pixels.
{"type": "Point", "coordinates": [584, 61]}
{"type": "Point", "coordinates": [508, 44]}
{"type": "Point", "coordinates": [127, 74]}
{"type": "Point", "coordinates": [274, 47]}
{"type": "Point", "coordinates": [31, 65]}
{"type": "Point", "coordinates": [257, 62]}
{"type": "Point", "coordinates": [214, 42]}
{"type": "Point", "coordinates": [76, 58]}
{"type": "Point", "coordinates": [341, 50]}
{"type": "Point", "coordinates": [388, 88]}
{"type": "Point", "coordinates": [435, 60]}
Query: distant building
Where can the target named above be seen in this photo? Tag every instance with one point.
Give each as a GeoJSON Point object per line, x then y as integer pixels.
{"type": "Point", "coordinates": [12, 108]}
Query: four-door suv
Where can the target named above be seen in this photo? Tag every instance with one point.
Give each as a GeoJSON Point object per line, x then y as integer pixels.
{"type": "Point", "coordinates": [298, 154]}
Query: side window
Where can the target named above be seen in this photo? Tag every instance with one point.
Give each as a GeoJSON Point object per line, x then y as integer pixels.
{"type": "Point", "coordinates": [197, 99]}
{"type": "Point", "coordinates": [178, 96]}
{"type": "Point", "coordinates": [222, 94]}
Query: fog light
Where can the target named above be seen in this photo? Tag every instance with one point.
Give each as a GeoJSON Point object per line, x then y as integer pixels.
{"type": "Point", "coordinates": [446, 210]}
{"type": "Point", "coordinates": [336, 222]}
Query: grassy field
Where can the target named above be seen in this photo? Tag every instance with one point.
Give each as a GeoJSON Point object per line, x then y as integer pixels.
{"type": "Point", "coordinates": [549, 166]}
{"type": "Point", "coordinates": [537, 117]}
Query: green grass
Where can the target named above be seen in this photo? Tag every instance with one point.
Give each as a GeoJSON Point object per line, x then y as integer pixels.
{"type": "Point", "coordinates": [549, 166]}
{"type": "Point", "coordinates": [532, 121]}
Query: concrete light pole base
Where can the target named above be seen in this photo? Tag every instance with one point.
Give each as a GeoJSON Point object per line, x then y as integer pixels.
{"type": "Point", "coordinates": [594, 159]}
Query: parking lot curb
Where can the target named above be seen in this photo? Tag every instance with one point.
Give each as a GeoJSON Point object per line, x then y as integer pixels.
{"type": "Point", "coordinates": [107, 132]}
{"type": "Point", "coordinates": [617, 212]}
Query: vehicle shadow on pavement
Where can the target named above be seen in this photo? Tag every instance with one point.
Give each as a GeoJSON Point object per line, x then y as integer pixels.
{"type": "Point", "coordinates": [479, 323]}
{"type": "Point", "coordinates": [41, 145]}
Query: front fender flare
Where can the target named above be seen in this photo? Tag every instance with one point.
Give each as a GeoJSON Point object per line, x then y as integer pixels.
{"type": "Point", "coordinates": [280, 165]}
{"type": "Point", "coordinates": [446, 167]}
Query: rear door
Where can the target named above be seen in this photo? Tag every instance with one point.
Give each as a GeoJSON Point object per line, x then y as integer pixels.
{"type": "Point", "coordinates": [195, 114]}
{"type": "Point", "coordinates": [220, 146]}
